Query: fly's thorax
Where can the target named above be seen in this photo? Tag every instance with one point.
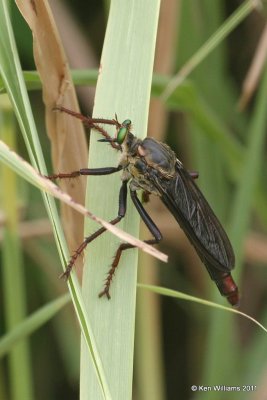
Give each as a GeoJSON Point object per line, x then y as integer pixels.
{"type": "Point", "coordinates": [132, 167]}
{"type": "Point", "coordinates": [136, 171]}
{"type": "Point", "coordinates": [158, 156]}
{"type": "Point", "coordinates": [129, 149]}
{"type": "Point", "coordinates": [141, 173]}
{"type": "Point", "coordinates": [142, 158]}
{"type": "Point", "coordinates": [141, 183]}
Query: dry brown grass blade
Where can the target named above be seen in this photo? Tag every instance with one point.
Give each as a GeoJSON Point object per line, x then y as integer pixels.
{"type": "Point", "coordinates": [80, 56]}
{"type": "Point", "coordinates": [69, 147]}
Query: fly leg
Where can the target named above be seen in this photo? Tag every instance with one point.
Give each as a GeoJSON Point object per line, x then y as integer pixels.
{"type": "Point", "coordinates": [93, 123]}
{"type": "Point", "coordinates": [89, 239]}
{"type": "Point", "coordinates": [124, 246]}
{"type": "Point", "coordinates": [85, 171]}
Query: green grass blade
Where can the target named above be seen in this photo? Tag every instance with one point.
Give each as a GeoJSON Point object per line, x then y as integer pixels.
{"type": "Point", "coordinates": [123, 87]}
{"type": "Point", "coordinates": [183, 296]}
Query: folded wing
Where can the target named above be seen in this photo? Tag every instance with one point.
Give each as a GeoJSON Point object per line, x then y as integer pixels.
{"type": "Point", "coordinates": [195, 216]}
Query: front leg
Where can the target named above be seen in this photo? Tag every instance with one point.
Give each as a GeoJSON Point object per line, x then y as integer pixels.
{"type": "Point", "coordinates": [94, 123]}
{"type": "Point", "coordinates": [90, 121]}
{"type": "Point", "coordinates": [86, 171]}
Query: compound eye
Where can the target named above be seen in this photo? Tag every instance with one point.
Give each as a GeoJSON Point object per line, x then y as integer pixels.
{"type": "Point", "coordinates": [121, 134]}
{"type": "Point", "coordinates": [125, 127]}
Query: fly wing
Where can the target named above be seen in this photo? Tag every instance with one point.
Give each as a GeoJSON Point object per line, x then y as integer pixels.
{"type": "Point", "coordinates": [195, 216]}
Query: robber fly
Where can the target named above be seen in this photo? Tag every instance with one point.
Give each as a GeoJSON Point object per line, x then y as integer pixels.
{"type": "Point", "coordinates": [152, 167]}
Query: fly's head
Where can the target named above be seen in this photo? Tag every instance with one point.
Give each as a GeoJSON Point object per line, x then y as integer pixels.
{"type": "Point", "coordinates": [123, 138]}
{"type": "Point", "coordinates": [123, 131]}
{"type": "Point", "coordinates": [126, 139]}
